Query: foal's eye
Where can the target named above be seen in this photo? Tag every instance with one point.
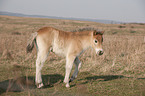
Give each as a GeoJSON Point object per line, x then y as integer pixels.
{"type": "Point", "coordinates": [96, 41]}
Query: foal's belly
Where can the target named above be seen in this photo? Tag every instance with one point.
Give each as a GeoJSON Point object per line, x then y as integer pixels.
{"type": "Point", "coordinates": [59, 50]}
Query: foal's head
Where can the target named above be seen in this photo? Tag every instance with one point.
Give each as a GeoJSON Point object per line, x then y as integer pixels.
{"type": "Point", "coordinates": [97, 42]}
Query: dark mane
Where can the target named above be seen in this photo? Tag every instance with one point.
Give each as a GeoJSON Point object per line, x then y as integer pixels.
{"type": "Point", "coordinates": [84, 29]}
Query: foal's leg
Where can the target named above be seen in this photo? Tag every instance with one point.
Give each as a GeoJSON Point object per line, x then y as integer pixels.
{"type": "Point", "coordinates": [69, 64]}
{"type": "Point", "coordinates": [41, 57]}
{"type": "Point", "coordinates": [77, 67]}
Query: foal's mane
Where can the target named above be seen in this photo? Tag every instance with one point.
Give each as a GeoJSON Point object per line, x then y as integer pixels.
{"type": "Point", "coordinates": [84, 29]}
{"type": "Point", "coordinates": [96, 31]}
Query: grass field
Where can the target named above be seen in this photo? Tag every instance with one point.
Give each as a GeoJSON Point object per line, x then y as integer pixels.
{"type": "Point", "coordinates": [120, 71]}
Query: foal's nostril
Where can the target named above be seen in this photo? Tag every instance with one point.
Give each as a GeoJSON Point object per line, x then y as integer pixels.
{"type": "Point", "coordinates": [100, 52]}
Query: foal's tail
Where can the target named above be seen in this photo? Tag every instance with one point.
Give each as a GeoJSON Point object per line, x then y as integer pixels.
{"type": "Point", "coordinates": [30, 44]}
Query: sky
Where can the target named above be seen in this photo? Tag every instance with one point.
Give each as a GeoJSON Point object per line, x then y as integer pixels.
{"type": "Point", "coordinates": [117, 10]}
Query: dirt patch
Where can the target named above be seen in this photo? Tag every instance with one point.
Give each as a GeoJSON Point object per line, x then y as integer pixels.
{"type": "Point", "coordinates": [18, 84]}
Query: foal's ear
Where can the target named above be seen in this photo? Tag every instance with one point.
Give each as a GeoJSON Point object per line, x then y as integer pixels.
{"type": "Point", "coordinates": [98, 32]}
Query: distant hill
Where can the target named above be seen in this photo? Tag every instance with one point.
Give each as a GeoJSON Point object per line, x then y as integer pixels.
{"type": "Point", "coordinates": [55, 17]}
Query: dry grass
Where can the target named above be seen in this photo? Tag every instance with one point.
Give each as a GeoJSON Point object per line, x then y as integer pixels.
{"type": "Point", "coordinates": [122, 64]}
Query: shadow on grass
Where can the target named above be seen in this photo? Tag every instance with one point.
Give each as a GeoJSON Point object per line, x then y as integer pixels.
{"type": "Point", "coordinates": [105, 77]}
{"type": "Point", "coordinates": [100, 78]}
{"type": "Point", "coordinates": [26, 83]}
{"type": "Point", "coordinates": [108, 77]}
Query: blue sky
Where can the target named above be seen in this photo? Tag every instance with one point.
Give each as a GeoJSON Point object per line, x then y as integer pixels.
{"type": "Point", "coordinates": [118, 10]}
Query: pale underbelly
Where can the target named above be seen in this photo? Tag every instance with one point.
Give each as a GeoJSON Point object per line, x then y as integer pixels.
{"type": "Point", "coordinates": [59, 51]}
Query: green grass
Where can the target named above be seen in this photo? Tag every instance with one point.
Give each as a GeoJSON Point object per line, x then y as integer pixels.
{"type": "Point", "coordinates": [86, 84]}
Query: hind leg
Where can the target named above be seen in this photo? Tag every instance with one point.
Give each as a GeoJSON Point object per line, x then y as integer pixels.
{"type": "Point", "coordinates": [43, 51]}
{"type": "Point", "coordinates": [77, 67]}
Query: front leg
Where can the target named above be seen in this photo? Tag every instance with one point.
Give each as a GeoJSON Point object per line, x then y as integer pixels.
{"type": "Point", "coordinates": [69, 64]}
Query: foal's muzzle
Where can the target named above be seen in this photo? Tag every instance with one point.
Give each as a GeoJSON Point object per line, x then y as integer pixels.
{"type": "Point", "coordinates": [100, 52]}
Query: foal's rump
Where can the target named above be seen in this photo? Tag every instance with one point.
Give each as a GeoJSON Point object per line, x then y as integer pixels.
{"type": "Point", "coordinates": [44, 35]}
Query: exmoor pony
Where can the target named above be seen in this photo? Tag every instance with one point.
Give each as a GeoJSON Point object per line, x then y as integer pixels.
{"type": "Point", "coordinates": [67, 44]}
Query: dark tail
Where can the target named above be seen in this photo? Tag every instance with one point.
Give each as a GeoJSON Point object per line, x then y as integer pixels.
{"type": "Point", "coordinates": [30, 44]}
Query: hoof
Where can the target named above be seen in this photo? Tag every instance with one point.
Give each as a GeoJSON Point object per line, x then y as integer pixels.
{"type": "Point", "coordinates": [67, 86]}
{"type": "Point", "coordinates": [40, 85]}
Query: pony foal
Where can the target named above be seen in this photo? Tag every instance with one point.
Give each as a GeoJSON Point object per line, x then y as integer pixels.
{"type": "Point", "coordinates": [67, 44]}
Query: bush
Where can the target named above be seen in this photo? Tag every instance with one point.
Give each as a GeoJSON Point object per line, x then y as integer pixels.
{"type": "Point", "coordinates": [114, 32]}
{"type": "Point", "coordinates": [121, 26]}
{"type": "Point", "coordinates": [132, 31]}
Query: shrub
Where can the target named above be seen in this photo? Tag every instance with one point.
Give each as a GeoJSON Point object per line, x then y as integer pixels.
{"type": "Point", "coordinates": [121, 26]}
{"type": "Point", "coordinates": [132, 31]}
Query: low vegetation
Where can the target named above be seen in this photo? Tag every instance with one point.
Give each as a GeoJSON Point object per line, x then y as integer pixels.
{"type": "Point", "coordinates": [120, 71]}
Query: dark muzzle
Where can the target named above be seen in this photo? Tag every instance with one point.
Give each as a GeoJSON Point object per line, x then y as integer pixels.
{"type": "Point", "coordinates": [100, 52]}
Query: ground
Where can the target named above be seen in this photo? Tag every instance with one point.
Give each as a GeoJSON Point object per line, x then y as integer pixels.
{"type": "Point", "coordinates": [120, 71]}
